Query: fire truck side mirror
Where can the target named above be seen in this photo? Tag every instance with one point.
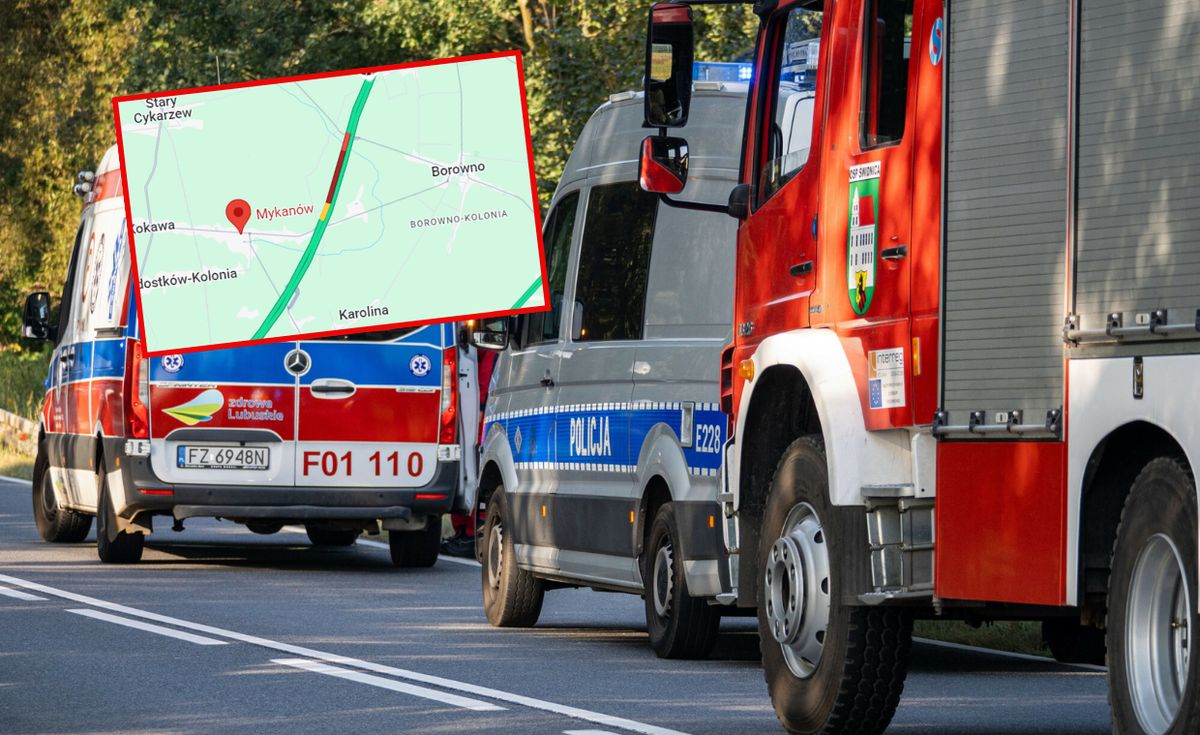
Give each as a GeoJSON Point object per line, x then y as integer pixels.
{"type": "Point", "coordinates": [669, 53]}
{"type": "Point", "coordinates": [490, 334]}
{"type": "Point", "coordinates": [663, 167]}
{"type": "Point", "coordinates": [37, 316]}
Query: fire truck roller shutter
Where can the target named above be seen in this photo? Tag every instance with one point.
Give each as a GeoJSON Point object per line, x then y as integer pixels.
{"type": "Point", "coordinates": [1005, 208]}
{"type": "Point", "coordinates": [1137, 247]}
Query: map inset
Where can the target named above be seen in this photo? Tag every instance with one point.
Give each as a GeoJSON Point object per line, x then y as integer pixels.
{"type": "Point", "coordinates": [331, 204]}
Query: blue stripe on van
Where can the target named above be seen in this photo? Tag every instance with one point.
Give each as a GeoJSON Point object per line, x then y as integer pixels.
{"type": "Point", "coordinates": [609, 436]}
{"type": "Point", "coordinates": [261, 364]}
{"type": "Point", "coordinates": [375, 363]}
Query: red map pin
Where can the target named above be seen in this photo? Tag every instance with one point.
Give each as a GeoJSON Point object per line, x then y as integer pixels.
{"type": "Point", "coordinates": [238, 212]}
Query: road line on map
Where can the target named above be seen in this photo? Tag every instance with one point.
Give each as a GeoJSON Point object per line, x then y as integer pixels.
{"type": "Point", "coordinates": [199, 640]}
{"type": "Point", "coordinates": [389, 684]}
{"type": "Point", "coordinates": [19, 595]}
{"type": "Point", "coordinates": [300, 651]}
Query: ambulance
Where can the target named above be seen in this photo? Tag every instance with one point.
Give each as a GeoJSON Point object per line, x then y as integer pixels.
{"type": "Point", "coordinates": [341, 435]}
{"type": "Point", "coordinates": [603, 429]}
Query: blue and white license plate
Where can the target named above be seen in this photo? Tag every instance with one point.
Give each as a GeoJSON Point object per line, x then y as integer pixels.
{"type": "Point", "coordinates": [193, 456]}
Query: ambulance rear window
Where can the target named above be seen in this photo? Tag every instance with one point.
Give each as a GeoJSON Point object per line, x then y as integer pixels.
{"type": "Point", "coordinates": [383, 335]}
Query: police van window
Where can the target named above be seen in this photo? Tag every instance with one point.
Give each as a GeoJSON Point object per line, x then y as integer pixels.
{"type": "Point", "coordinates": [610, 293]}
{"type": "Point", "coordinates": [542, 326]}
{"type": "Point", "coordinates": [887, 35]}
{"type": "Point", "coordinates": [792, 98]}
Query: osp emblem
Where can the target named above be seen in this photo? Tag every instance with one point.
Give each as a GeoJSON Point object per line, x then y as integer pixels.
{"type": "Point", "coordinates": [863, 233]}
{"type": "Point", "coordinates": [420, 365]}
{"type": "Point", "coordinates": [201, 408]}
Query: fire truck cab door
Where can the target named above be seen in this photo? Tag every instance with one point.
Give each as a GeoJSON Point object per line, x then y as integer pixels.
{"type": "Point", "coordinates": [867, 207]}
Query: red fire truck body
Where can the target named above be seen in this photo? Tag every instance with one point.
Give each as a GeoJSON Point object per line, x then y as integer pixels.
{"type": "Point", "coordinates": [965, 364]}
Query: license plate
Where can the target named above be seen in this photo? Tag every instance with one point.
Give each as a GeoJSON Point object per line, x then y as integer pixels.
{"type": "Point", "coordinates": [192, 456]}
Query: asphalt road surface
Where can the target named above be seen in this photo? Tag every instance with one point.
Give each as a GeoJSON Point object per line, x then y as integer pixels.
{"type": "Point", "coordinates": [222, 631]}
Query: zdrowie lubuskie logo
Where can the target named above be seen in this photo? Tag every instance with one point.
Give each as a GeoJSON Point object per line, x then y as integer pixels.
{"type": "Point", "coordinates": [201, 408]}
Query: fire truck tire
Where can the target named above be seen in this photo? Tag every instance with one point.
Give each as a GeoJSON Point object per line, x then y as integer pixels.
{"type": "Point", "coordinates": [113, 546]}
{"type": "Point", "coordinates": [417, 549]}
{"type": "Point", "coordinates": [680, 626]}
{"type": "Point", "coordinates": [830, 667]}
{"type": "Point", "coordinates": [1152, 627]}
{"type": "Point", "coordinates": [54, 524]}
{"type": "Point", "coordinates": [325, 536]}
{"type": "Point", "coordinates": [512, 597]}
{"type": "Point", "coordinates": [1072, 643]}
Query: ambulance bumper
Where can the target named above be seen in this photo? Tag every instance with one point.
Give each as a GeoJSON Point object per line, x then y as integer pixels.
{"type": "Point", "coordinates": [145, 492]}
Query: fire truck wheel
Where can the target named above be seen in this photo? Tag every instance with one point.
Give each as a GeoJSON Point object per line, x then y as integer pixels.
{"type": "Point", "coordinates": [1152, 618]}
{"type": "Point", "coordinates": [829, 666]}
{"type": "Point", "coordinates": [1072, 643]}
{"type": "Point", "coordinates": [327, 536]}
{"type": "Point", "coordinates": [680, 626]}
{"type": "Point", "coordinates": [113, 546]}
{"type": "Point", "coordinates": [512, 597]}
{"type": "Point", "coordinates": [54, 524]}
{"type": "Point", "coordinates": [417, 548]}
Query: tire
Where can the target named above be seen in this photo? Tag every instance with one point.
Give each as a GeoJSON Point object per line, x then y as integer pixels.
{"type": "Point", "coordinates": [417, 549]}
{"type": "Point", "coordinates": [112, 546]}
{"type": "Point", "coordinates": [830, 667]}
{"type": "Point", "coordinates": [680, 626]}
{"type": "Point", "coordinates": [325, 536]}
{"type": "Point", "coordinates": [512, 597]}
{"type": "Point", "coordinates": [1072, 643]}
{"type": "Point", "coordinates": [1152, 622]}
{"type": "Point", "coordinates": [54, 524]}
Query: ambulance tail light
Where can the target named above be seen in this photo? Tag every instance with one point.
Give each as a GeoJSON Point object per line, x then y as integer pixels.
{"type": "Point", "coordinates": [449, 407]}
{"type": "Point", "coordinates": [137, 392]}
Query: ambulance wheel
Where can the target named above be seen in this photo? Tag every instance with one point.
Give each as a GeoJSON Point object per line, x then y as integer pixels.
{"type": "Point", "coordinates": [113, 546]}
{"type": "Point", "coordinates": [512, 597]}
{"type": "Point", "coordinates": [54, 524]}
{"type": "Point", "coordinates": [1152, 621]}
{"type": "Point", "coordinates": [1072, 643]}
{"type": "Point", "coordinates": [414, 549]}
{"type": "Point", "coordinates": [829, 666]}
{"type": "Point", "coordinates": [680, 626]}
{"type": "Point", "coordinates": [325, 536]}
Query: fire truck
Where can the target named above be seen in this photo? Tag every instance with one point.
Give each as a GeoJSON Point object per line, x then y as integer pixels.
{"type": "Point", "coordinates": [964, 372]}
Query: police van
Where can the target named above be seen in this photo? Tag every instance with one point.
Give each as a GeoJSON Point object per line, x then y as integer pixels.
{"type": "Point", "coordinates": [341, 435]}
{"type": "Point", "coordinates": [603, 430]}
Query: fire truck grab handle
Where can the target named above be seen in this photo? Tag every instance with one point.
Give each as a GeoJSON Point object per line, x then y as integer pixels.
{"type": "Point", "coordinates": [895, 253]}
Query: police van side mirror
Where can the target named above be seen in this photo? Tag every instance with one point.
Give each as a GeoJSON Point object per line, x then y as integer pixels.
{"type": "Point", "coordinates": [36, 318]}
{"type": "Point", "coordinates": [663, 167]}
{"type": "Point", "coordinates": [669, 55]}
{"type": "Point", "coordinates": [490, 334]}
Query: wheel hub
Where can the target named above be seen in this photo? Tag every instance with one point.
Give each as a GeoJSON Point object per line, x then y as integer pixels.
{"type": "Point", "coordinates": [797, 590]}
{"type": "Point", "coordinates": [1158, 624]}
{"type": "Point", "coordinates": [495, 560]}
{"type": "Point", "coordinates": [664, 580]}
{"type": "Point", "coordinates": [49, 502]}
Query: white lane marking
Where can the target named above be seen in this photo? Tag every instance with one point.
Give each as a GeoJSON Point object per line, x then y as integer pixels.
{"type": "Point", "coordinates": [391, 684]}
{"type": "Point", "coordinates": [18, 594]}
{"type": "Point", "coordinates": [150, 627]}
{"type": "Point", "coordinates": [1007, 654]}
{"type": "Point", "coordinates": [587, 732]}
{"type": "Point", "coordinates": [560, 709]}
{"type": "Point", "coordinates": [382, 545]}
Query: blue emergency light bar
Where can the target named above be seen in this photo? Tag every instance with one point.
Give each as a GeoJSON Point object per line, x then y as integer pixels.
{"type": "Point", "coordinates": [722, 71]}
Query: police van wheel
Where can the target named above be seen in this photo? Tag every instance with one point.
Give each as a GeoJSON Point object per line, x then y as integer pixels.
{"type": "Point", "coordinates": [1152, 623]}
{"type": "Point", "coordinates": [512, 597]}
{"type": "Point", "coordinates": [54, 524]}
{"type": "Point", "coordinates": [829, 666]}
{"type": "Point", "coordinates": [416, 549]}
{"type": "Point", "coordinates": [113, 546]}
{"type": "Point", "coordinates": [325, 536]}
{"type": "Point", "coordinates": [680, 626]}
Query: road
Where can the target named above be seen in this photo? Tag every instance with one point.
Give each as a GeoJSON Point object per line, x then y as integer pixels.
{"type": "Point", "coordinates": [221, 631]}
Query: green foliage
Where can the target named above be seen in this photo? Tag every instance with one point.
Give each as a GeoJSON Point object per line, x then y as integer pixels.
{"type": "Point", "coordinates": [22, 381]}
{"type": "Point", "coordinates": [65, 59]}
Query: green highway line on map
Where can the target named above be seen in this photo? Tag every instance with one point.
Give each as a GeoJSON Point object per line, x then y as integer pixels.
{"type": "Point", "coordinates": [334, 187]}
{"type": "Point", "coordinates": [533, 288]}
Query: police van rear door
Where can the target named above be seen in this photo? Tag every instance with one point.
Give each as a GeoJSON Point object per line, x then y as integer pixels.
{"type": "Point", "coordinates": [370, 407]}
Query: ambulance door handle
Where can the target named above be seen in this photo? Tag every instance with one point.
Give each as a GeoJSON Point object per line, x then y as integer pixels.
{"type": "Point", "coordinates": [332, 388]}
{"type": "Point", "coordinates": [894, 253]}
